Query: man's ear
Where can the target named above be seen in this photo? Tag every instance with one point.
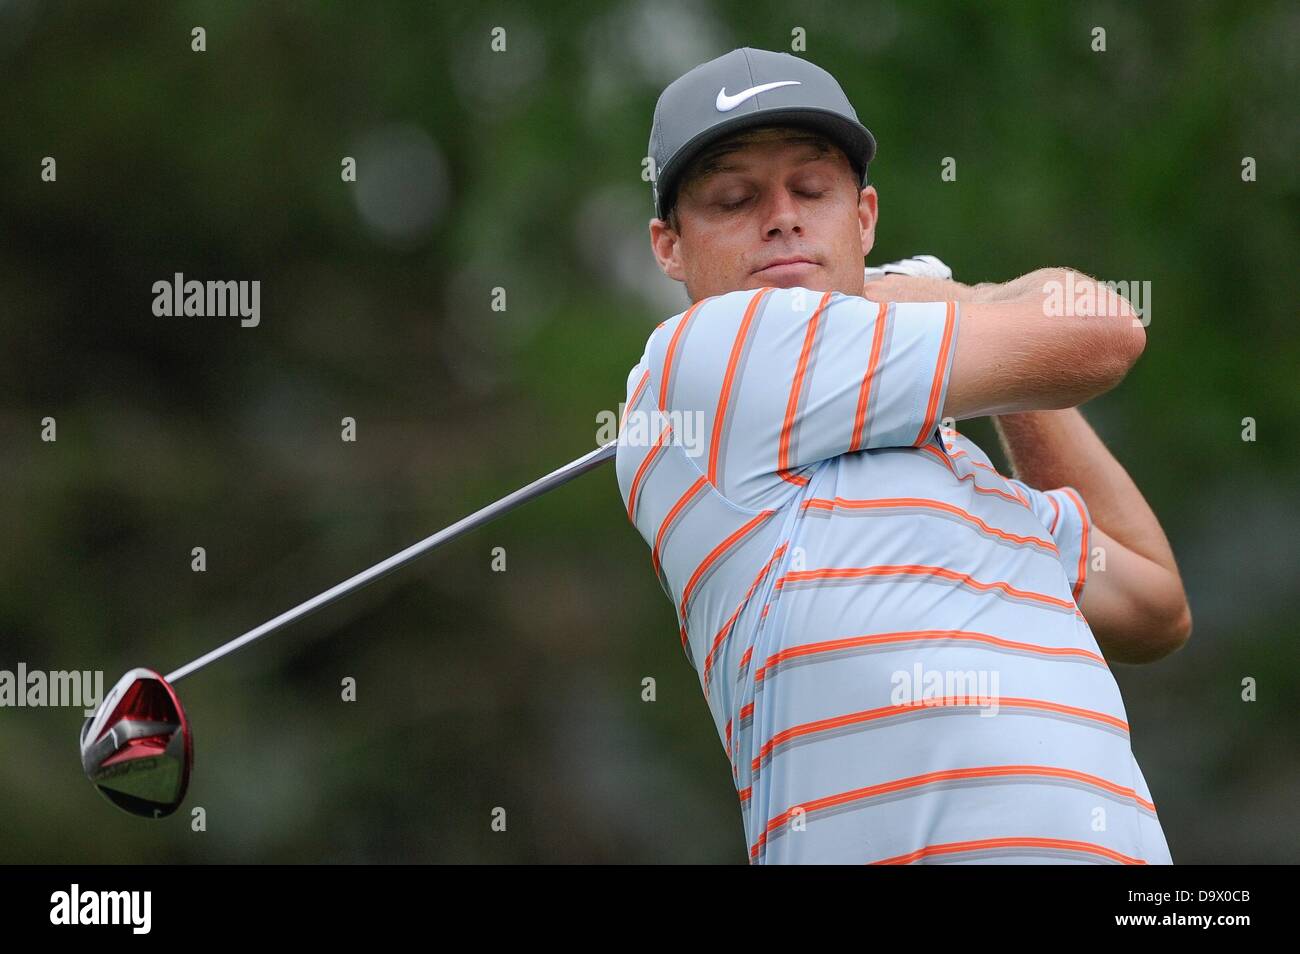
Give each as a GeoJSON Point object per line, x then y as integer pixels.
{"type": "Point", "coordinates": [666, 245]}
{"type": "Point", "coordinates": [868, 215]}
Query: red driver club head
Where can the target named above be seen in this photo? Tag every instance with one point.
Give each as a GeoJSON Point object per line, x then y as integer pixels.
{"type": "Point", "coordinates": [137, 747]}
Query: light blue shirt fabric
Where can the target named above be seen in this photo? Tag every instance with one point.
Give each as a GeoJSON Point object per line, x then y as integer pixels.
{"type": "Point", "coordinates": [886, 630]}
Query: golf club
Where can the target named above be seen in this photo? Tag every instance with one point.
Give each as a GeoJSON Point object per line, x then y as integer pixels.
{"type": "Point", "coordinates": [138, 748]}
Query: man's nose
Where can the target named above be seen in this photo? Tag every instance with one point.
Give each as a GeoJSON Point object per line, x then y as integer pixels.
{"type": "Point", "coordinates": [783, 213]}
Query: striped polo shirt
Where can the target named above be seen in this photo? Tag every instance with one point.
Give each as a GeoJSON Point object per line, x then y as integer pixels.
{"type": "Point", "coordinates": [886, 630]}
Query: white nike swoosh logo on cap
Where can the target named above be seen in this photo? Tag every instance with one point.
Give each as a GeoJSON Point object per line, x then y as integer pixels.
{"type": "Point", "coordinates": [727, 103]}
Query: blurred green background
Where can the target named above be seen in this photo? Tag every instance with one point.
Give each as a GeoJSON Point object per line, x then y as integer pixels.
{"type": "Point", "coordinates": [521, 170]}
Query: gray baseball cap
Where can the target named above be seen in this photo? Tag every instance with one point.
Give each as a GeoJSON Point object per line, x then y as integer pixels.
{"type": "Point", "coordinates": [741, 90]}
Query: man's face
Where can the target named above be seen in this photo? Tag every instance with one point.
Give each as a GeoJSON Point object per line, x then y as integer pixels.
{"type": "Point", "coordinates": [761, 199]}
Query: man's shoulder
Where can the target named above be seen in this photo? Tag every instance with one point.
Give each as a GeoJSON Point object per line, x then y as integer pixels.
{"type": "Point", "coordinates": [795, 300]}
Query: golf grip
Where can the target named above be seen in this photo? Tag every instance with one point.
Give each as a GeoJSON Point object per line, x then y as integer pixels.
{"type": "Point", "coordinates": [538, 487]}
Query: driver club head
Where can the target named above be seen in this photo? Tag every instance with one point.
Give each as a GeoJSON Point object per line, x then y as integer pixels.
{"type": "Point", "coordinates": [137, 747]}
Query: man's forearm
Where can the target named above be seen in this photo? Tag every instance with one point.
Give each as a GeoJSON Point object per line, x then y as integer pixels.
{"type": "Point", "coordinates": [1049, 449]}
{"type": "Point", "coordinates": [911, 288]}
{"type": "Point", "coordinates": [1138, 611]}
{"type": "Point", "coordinates": [1057, 448]}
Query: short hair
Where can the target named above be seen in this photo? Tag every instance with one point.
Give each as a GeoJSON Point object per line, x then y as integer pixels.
{"type": "Point", "coordinates": [709, 160]}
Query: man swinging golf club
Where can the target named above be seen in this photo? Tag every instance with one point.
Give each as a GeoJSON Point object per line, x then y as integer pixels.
{"type": "Point", "coordinates": [843, 566]}
{"type": "Point", "coordinates": [904, 652]}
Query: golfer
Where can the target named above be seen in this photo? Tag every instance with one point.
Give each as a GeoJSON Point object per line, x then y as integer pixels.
{"type": "Point", "coordinates": [906, 654]}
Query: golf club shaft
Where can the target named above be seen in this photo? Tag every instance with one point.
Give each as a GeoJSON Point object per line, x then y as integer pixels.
{"type": "Point", "coordinates": [522, 495]}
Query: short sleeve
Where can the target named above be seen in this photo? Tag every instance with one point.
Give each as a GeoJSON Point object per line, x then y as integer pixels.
{"type": "Point", "coordinates": [1065, 515]}
{"type": "Point", "coordinates": [781, 379]}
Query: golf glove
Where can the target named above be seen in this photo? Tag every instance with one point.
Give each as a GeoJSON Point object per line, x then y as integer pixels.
{"type": "Point", "coordinates": [923, 266]}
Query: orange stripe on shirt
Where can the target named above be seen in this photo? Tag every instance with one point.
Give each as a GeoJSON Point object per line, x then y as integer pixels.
{"type": "Point", "coordinates": [796, 386]}
{"type": "Point", "coordinates": [1083, 541]}
{"type": "Point", "coordinates": [636, 396]}
{"type": "Point", "coordinates": [868, 379]}
{"type": "Point", "coordinates": [1019, 494]}
{"type": "Point", "coordinates": [655, 451]}
{"type": "Point", "coordinates": [916, 569]}
{"type": "Point", "coordinates": [1056, 508]}
{"type": "Point", "coordinates": [672, 350]}
{"type": "Point", "coordinates": [926, 705]}
{"type": "Point", "coordinates": [932, 408]}
{"type": "Point", "coordinates": [1009, 772]}
{"type": "Point", "coordinates": [799, 480]}
{"type": "Point", "coordinates": [685, 498]}
{"type": "Point", "coordinates": [942, 458]}
{"type": "Point", "coordinates": [727, 626]}
{"type": "Point", "coordinates": [716, 554]}
{"type": "Point", "coordinates": [885, 503]}
{"type": "Point", "coordinates": [1057, 844]}
{"type": "Point", "coordinates": [955, 453]}
{"type": "Point", "coordinates": [907, 636]}
{"type": "Point", "coordinates": [724, 397]}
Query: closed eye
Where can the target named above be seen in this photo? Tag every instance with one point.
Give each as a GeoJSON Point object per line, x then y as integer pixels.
{"type": "Point", "coordinates": [732, 206]}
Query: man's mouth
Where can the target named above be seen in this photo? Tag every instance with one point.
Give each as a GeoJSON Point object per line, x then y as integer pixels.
{"type": "Point", "coordinates": [787, 272]}
{"type": "Point", "coordinates": [791, 260]}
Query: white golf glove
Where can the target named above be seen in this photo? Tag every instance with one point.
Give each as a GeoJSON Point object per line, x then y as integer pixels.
{"type": "Point", "coordinates": [923, 266]}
